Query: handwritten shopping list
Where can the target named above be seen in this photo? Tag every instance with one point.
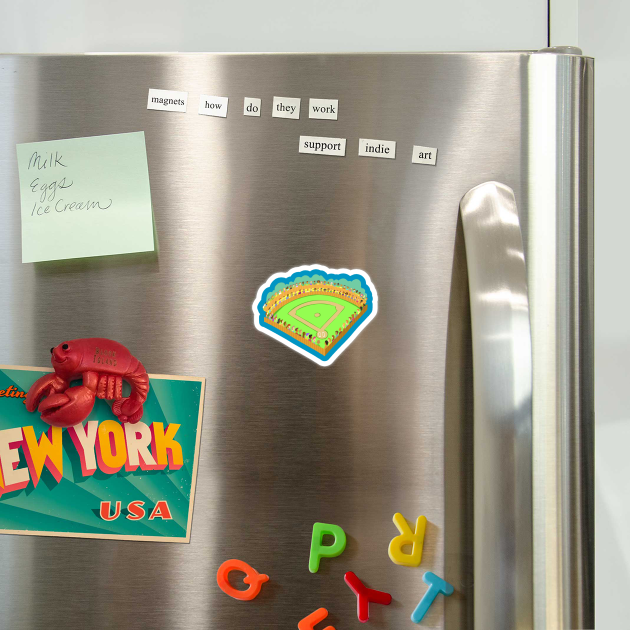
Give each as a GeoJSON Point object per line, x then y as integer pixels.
{"type": "Point", "coordinates": [85, 197]}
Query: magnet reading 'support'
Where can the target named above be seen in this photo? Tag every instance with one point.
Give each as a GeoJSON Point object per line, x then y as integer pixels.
{"type": "Point", "coordinates": [103, 364]}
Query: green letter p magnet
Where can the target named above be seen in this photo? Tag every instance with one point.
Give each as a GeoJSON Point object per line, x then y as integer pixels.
{"type": "Point", "coordinates": [319, 551]}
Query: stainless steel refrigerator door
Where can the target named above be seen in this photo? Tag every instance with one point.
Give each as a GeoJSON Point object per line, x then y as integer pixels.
{"type": "Point", "coordinates": [387, 428]}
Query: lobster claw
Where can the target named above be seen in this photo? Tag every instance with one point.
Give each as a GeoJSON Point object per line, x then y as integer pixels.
{"type": "Point", "coordinates": [128, 410]}
{"type": "Point", "coordinates": [43, 386]}
{"type": "Point", "coordinates": [68, 408]}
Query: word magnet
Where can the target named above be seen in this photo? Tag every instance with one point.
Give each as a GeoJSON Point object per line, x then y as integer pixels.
{"type": "Point", "coordinates": [251, 106]}
{"type": "Point", "coordinates": [213, 105]}
{"type": "Point", "coordinates": [407, 537]}
{"type": "Point", "coordinates": [252, 577]}
{"type": "Point", "coordinates": [424, 155]}
{"type": "Point", "coordinates": [167, 100]}
{"type": "Point", "coordinates": [377, 148]}
{"type": "Point", "coordinates": [323, 108]}
{"type": "Point", "coordinates": [285, 107]}
{"type": "Point", "coordinates": [322, 146]}
{"type": "Point", "coordinates": [319, 551]}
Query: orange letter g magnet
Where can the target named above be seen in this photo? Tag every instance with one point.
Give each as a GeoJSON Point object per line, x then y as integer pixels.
{"type": "Point", "coordinates": [252, 577]}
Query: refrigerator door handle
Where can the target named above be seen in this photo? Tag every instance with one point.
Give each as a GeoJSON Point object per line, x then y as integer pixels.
{"type": "Point", "coordinates": [502, 374]}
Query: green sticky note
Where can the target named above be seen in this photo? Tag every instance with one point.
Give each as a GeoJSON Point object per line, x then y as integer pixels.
{"type": "Point", "coordinates": [85, 197]}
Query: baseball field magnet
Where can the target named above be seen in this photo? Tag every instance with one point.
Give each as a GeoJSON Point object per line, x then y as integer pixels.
{"type": "Point", "coordinates": [315, 310]}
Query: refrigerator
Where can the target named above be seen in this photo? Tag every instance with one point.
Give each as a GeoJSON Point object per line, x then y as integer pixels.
{"type": "Point", "coordinates": [466, 398]}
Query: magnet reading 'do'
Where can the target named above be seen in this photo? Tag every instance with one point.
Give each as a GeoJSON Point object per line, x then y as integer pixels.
{"type": "Point", "coordinates": [315, 310]}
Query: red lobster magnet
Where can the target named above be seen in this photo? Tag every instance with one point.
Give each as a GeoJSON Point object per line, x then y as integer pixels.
{"type": "Point", "coordinates": [103, 364]}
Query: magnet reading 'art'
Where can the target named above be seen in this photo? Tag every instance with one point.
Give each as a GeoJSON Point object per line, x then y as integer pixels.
{"type": "Point", "coordinates": [315, 310]}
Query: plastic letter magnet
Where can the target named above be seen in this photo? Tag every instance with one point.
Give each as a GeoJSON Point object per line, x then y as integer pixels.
{"type": "Point", "coordinates": [365, 596]}
{"type": "Point", "coordinates": [436, 586]}
{"type": "Point", "coordinates": [319, 551]}
{"type": "Point", "coordinates": [252, 577]}
{"type": "Point", "coordinates": [308, 623]}
{"type": "Point", "coordinates": [407, 537]}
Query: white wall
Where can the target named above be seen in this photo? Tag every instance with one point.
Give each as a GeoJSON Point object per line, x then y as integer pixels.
{"type": "Point", "coordinates": [270, 25]}
{"type": "Point", "coordinates": [604, 27]}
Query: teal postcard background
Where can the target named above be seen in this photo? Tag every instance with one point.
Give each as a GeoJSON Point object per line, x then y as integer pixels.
{"type": "Point", "coordinates": [72, 505]}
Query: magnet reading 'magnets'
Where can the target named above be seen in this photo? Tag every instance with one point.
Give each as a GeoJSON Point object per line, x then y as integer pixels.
{"type": "Point", "coordinates": [102, 364]}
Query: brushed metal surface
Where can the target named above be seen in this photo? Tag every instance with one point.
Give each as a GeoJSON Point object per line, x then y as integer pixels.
{"type": "Point", "coordinates": [285, 443]}
{"type": "Point", "coordinates": [560, 275]}
{"type": "Point", "coordinates": [502, 368]}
